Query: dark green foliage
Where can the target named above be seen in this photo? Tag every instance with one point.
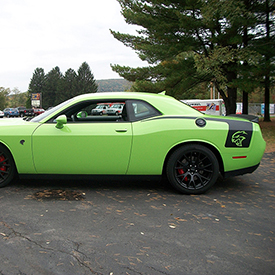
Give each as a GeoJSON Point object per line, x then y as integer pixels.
{"type": "Point", "coordinates": [189, 42]}
{"type": "Point", "coordinates": [50, 93]}
{"type": "Point", "coordinates": [85, 80]}
{"type": "Point", "coordinates": [265, 45]}
{"type": "Point", "coordinates": [37, 84]}
{"type": "Point", "coordinates": [68, 86]}
{"type": "Point", "coordinates": [56, 87]}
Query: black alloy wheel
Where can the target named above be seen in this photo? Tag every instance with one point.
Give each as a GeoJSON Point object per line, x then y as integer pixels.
{"type": "Point", "coordinates": [7, 167]}
{"type": "Point", "coordinates": [192, 169]}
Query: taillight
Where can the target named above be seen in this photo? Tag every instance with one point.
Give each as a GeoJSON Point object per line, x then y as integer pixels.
{"type": "Point", "coordinates": [239, 157]}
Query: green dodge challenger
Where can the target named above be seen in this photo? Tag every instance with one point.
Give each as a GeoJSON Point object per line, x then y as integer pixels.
{"type": "Point", "coordinates": [154, 135]}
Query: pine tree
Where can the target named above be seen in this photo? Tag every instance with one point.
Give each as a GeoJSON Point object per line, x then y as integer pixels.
{"type": "Point", "coordinates": [186, 43]}
{"type": "Point", "coordinates": [37, 84]}
{"type": "Point", "coordinates": [56, 88]}
{"type": "Point", "coordinates": [264, 44]}
{"type": "Point", "coordinates": [85, 80]}
{"type": "Point", "coordinates": [52, 81]}
{"type": "Point", "coordinates": [67, 87]}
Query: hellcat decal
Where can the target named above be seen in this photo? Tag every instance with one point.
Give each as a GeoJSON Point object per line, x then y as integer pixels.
{"type": "Point", "coordinates": [238, 138]}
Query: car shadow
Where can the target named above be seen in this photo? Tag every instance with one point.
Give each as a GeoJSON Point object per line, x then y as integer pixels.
{"type": "Point", "coordinates": [85, 185]}
{"type": "Point", "coordinates": [233, 185]}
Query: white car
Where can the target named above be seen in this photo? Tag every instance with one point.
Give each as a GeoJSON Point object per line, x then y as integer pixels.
{"type": "Point", "coordinates": [1, 114]}
{"type": "Point", "coordinates": [100, 110]}
{"type": "Point", "coordinates": [115, 109]}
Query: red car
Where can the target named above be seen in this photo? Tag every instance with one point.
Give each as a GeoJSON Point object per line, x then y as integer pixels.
{"type": "Point", "coordinates": [38, 111]}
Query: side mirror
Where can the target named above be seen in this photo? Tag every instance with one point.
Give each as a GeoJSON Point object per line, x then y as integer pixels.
{"type": "Point", "coordinates": [60, 121]}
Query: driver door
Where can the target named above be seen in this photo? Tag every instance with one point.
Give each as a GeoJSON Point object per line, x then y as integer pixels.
{"type": "Point", "coordinates": [92, 145]}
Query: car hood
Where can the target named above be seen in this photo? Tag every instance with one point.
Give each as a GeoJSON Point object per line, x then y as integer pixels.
{"type": "Point", "coordinates": [13, 121]}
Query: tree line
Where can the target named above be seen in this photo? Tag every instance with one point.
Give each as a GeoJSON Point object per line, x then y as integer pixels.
{"type": "Point", "coordinates": [189, 42]}
{"type": "Point", "coordinates": [56, 87]}
{"type": "Point", "coordinates": [15, 98]}
{"type": "Point", "coordinates": [11, 98]}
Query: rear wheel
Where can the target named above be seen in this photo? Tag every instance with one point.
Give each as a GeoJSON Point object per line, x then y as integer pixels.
{"type": "Point", "coordinates": [192, 169]}
{"type": "Point", "coordinates": [7, 167]}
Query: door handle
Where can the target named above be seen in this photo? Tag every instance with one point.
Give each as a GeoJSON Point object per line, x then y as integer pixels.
{"type": "Point", "coordinates": [121, 130]}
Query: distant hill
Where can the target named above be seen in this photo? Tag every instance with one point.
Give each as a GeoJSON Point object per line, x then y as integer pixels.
{"type": "Point", "coordinates": [113, 85]}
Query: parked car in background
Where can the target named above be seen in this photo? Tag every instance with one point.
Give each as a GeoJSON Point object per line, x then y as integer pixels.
{"type": "Point", "coordinates": [23, 111]}
{"type": "Point", "coordinates": [16, 112]}
{"type": "Point", "coordinates": [11, 112]}
{"type": "Point", "coordinates": [1, 114]}
{"type": "Point", "coordinates": [100, 109]}
{"type": "Point", "coordinates": [115, 109]}
{"type": "Point", "coordinates": [37, 111]}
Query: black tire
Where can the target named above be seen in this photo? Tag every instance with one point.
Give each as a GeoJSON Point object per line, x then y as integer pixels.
{"type": "Point", "coordinates": [192, 169]}
{"type": "Point", "coordinates": [7, 167]}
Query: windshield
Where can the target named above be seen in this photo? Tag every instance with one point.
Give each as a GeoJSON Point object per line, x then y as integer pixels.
{"type": "Point", "coordinates": [50, 111]}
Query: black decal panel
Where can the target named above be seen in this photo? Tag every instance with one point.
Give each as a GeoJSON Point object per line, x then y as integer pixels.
{"type": "Point", "coordinates": [239, 134]}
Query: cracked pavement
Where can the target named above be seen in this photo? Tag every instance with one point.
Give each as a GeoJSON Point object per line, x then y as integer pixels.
{"type": "Point", "coordinates": [139, 227]}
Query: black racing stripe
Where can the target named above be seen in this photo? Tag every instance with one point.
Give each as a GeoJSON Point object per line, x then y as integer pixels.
{"type": "Point", "coordinates": [171, 117]}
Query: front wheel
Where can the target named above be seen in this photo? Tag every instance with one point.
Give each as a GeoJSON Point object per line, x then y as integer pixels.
{"type": "Point", "coordinates": [7, 167]}
{"type": "Point", "coordinates": [192, 169]}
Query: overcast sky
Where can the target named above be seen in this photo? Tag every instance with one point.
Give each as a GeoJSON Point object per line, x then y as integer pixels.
{"type": "Point", "coordinates": [63, 33]}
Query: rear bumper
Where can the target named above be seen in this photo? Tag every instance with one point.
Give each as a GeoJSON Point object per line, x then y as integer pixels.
{"type": "Point", "coordinates": [241, 171]}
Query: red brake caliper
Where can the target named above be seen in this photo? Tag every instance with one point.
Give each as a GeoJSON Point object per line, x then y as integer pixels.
{"type": "Point", "coordinates": [181, 172]}
{"type": "Point", "coordinates": [3, 168]}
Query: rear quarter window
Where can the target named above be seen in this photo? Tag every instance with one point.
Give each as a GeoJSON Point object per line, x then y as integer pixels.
{"type": "Point", "coordinates": [142, 110]}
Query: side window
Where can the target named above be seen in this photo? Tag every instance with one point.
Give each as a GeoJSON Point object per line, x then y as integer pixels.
{"type": "Point", "coordinates": [95, 111]}
{"type": "Point", "coordinates": [142, 110]}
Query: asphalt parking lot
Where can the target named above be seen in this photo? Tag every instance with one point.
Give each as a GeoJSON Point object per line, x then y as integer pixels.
{"type": "Point", "coordinates": [82, 227]}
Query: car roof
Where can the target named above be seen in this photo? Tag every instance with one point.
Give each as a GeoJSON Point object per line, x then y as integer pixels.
{"type": "Point", "coordinates": [167, 105]}
{"type": "Point", "coordinates": [113, 95]}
